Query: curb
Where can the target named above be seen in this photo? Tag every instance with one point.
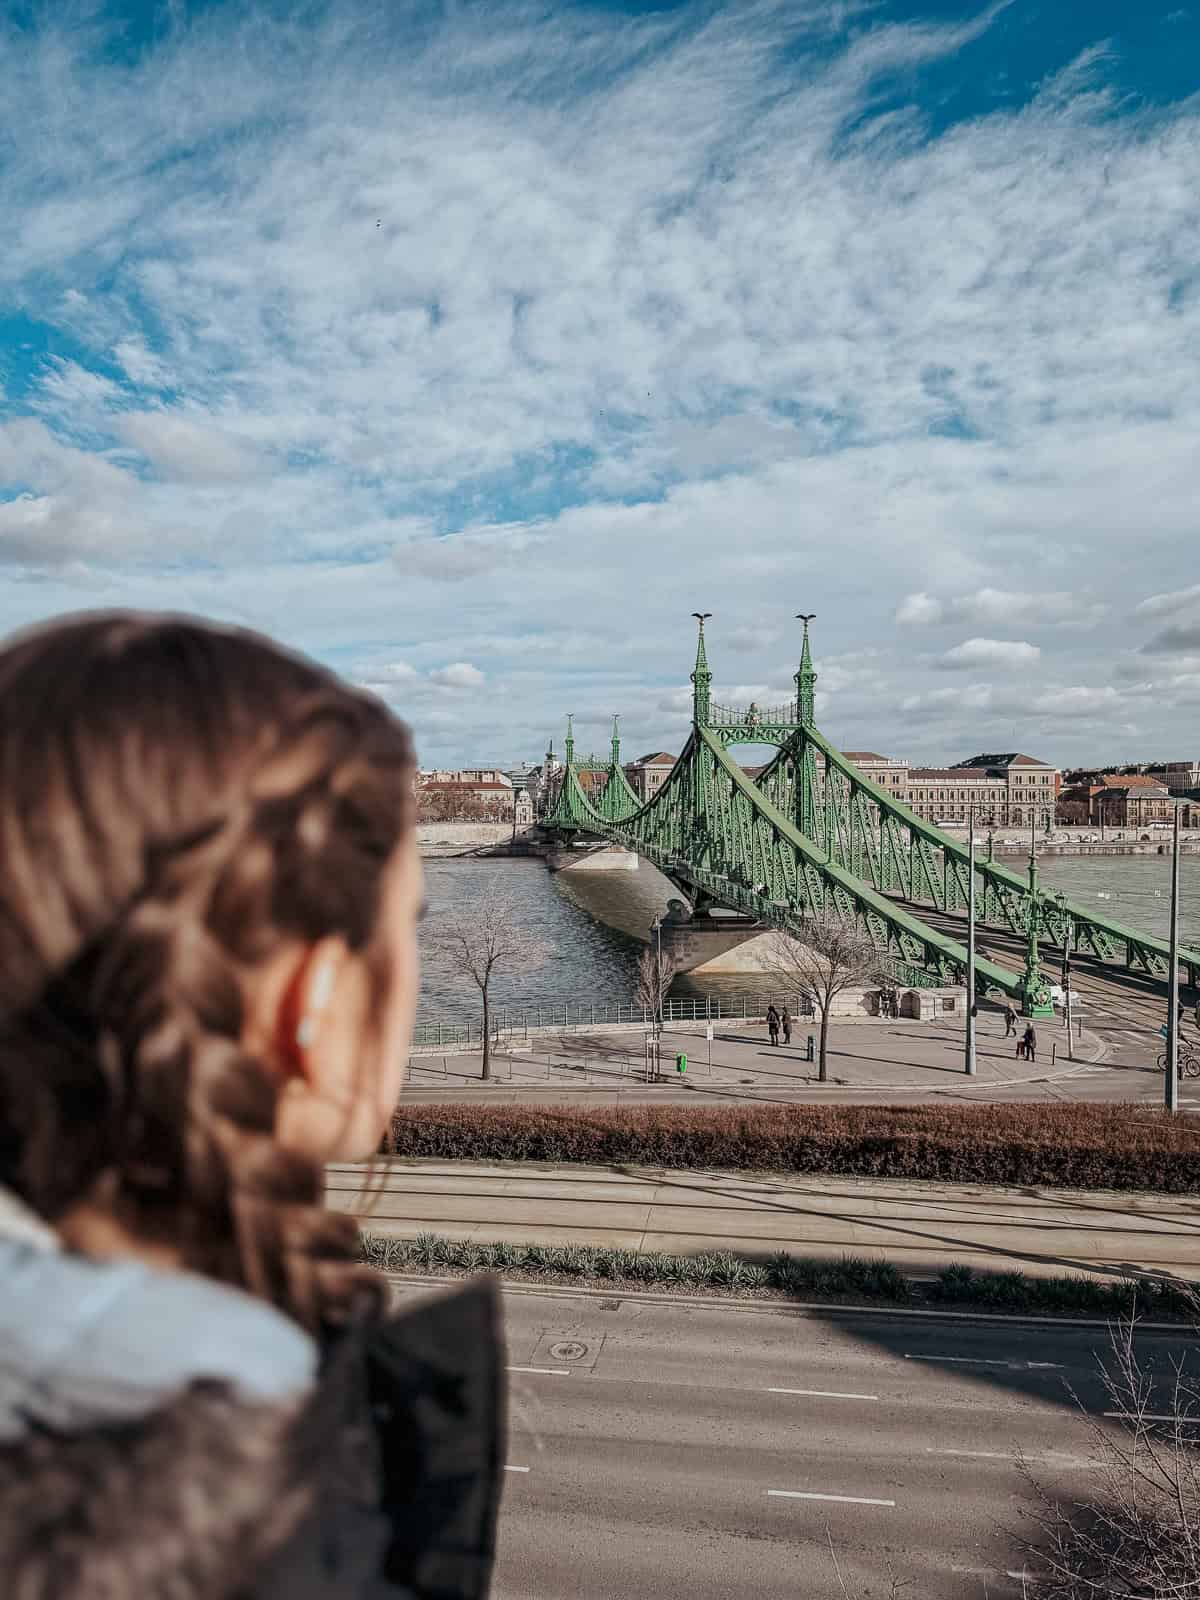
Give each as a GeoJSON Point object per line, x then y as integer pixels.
{"type": "Point", "coordinates": [802, 1309]}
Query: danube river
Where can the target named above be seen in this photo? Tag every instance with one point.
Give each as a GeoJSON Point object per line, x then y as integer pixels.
{"type": "Point", "coordinates": [593, 924]}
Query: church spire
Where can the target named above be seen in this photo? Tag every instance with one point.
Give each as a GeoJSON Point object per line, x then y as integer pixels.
{"type": "Point", "coordinates": [701, 676]}
{"type": "Point", "coordinates": [806, 679]}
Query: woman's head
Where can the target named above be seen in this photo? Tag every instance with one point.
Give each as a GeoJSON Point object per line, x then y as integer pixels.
{"type": "Point", "coordinates": [208, 882]}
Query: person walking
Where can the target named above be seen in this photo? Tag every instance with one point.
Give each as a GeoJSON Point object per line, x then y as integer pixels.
{"type": "Point", "coordinates": [773, 1024]}
{"type": "Point", "coordinates": [208, 976]}
{"type": "Point", "coordinates": [785, 1022]}
{"type": "Point", "coordinates": [1010, 1022]}
{"type": "Point", "coordinates": [1029, 1040]}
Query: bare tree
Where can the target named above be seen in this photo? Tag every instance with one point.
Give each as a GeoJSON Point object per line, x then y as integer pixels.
{"type": "Point", "coordinates": [484, 938]}
{"type": "Point", "coordinates": [655, 971]}
{"type": "Point", "coordinates": [1137, 1533]}
{"type": "Point", "coordinates": [830, 955]}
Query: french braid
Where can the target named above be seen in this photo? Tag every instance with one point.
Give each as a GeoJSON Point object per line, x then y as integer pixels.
{"type": "Point", "coordinates": [176, 803]}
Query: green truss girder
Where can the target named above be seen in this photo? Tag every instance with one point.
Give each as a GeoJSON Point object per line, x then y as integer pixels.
{"type": "Point", "coordinates": [743, 851]}
{"type": "Point", "coordinates": [814, 830]}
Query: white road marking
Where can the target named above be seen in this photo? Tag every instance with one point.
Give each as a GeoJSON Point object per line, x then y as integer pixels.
{"type": "Point", "coordinates": [986, 1361]}
{"type": "Point", "coordinates": [1154, 1416]}
{"type": "Point", "coordinates": [842, 1499]}
{"type": "Point", "coordinates": [823, 1394]}
{"type": "Point", "coordinates": [1012, 1455]}
{"type": "Point", "coordinates": [993, 1455]}
{"type": "Point", "coordinates": [549, 1372]}
{"type": "Point", "coordinates": [516, 1469]}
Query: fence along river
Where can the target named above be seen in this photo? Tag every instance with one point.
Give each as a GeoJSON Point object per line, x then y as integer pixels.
{"type": "Point", "coordinates": [595, 924]}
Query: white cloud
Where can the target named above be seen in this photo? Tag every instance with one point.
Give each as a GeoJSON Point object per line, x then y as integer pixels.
{"type": "Point", "coordinates": [191, 449]}
{"type": "Point", "coordinates": [999, 605]}
{"type": "Point", "coordinates": [1010, 653]}
{"type": "Point", "coordinates": [1167, 605]}
{"type": "Point", "coordinates": [1178, 639]}
{"type": "Point", "coordinates": [458, 675]}
{"type": "Point", "coordinates": [661, 313]}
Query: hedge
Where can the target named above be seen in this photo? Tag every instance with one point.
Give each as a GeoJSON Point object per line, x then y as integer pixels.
{"type": "Point", "coordinates": [1109, 1146]}
{"type": "Point", "coordinates": [853, 1278]}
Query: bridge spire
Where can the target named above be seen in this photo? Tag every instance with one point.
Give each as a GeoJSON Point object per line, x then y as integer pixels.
{"type": "Point", "coordinates": [616, 742]}
{"type": "Point", "coordinates": [570, 739]}
{"type": "Point", "coordinates": [701, 676]}
{"type": "Point", "coordinates": [806, 679]}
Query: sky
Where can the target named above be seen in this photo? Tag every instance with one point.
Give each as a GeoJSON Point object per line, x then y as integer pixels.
{"type": "Point", "coordinates": [471, 348]}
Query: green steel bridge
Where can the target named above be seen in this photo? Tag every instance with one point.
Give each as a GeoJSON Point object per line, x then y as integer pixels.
{"type": "Point", "coordinates": [812, 836]}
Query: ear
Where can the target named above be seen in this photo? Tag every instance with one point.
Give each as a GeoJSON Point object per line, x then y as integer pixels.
{"type": "Point", "coordinates": [305, 995]}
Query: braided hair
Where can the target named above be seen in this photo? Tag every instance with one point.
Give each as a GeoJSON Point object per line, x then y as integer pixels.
{"type": "Point", "coordinates": [179, 802]}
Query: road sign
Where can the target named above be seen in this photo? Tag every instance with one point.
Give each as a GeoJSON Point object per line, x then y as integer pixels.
{"type": "Point", "coordinates": [708, 1033]}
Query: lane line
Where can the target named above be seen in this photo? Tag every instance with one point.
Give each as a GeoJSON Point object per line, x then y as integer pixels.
{"type": "Point", "coordinates": [516, 1469]}
{"type": "Point", "coordinates": [549, 1372]}
{"type": "Point", "coordinates": [824, 1394]}
{"type": "Point", "coordinates": [1011, 1456]}
{"type": "Point", "coordinates": [1154, 1416]}
{"type": "Point", "coordinates": [842, 1499]}
{"type": "Point", "coordinates": [988, 1361]}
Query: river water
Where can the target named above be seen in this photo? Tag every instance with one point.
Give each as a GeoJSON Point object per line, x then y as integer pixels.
{"type": "Point", "coordinates": [593, 925]}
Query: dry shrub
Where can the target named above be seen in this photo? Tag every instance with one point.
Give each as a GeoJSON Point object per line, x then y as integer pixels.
{"type": "Point", "coordinates": [1137, 1532]}
{"type": "Point", "coordinates": [1066, 1146]}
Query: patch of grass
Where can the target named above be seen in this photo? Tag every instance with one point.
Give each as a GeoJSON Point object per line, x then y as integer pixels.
{"type": "Point", "coordinates": [1064, 1146]}
{"type": "Point", "coordinates": [853, 1278]}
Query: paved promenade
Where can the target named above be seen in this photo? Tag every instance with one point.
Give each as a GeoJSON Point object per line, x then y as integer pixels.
{"type": "Point", "coordinates": [919, 1226]}
{"type": "Point", "coordinates": [869, 1061]}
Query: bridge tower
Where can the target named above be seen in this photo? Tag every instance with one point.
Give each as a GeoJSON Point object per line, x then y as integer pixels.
{"type": "Point", "coordinates": [806, 679]}
{"type": "Point", "coordinates": [616, 743]}
{"type": "Point", "coordinates": [701, 676]}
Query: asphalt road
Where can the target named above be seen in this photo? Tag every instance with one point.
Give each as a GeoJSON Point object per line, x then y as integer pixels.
{"type": "Point", "coordinates": [693, 1452]}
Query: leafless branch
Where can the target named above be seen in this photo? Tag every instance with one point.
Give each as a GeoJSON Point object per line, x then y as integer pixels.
{"type": "Point", "coordinates": [485, 937]}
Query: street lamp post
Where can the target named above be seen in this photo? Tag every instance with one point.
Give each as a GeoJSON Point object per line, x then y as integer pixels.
{"type": "Point", "coordinates": [1171, 1087]}
{"type": "Point", "coordinates": [969, 1065]}
{"type": "Point", "coordinates": [1067, 935]}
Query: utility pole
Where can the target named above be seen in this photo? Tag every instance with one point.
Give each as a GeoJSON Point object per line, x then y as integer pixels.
{"type": "Point", "coordinates": [1171, 1087]}
{"type": "Point", "coordinates": [970, 1043]}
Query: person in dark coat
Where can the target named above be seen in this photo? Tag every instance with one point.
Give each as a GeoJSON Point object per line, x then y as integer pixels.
{"type": "Point", "coordinates": [785, 1024]}
{"type": "Point", "coordinates": [773, 1024]}
{"type": "Point", "coordinates": [207, 984]}
{"type": "Point", "coordinates": [1029, 1040]}
{"type": "Point", "coordinates": [1010, 1022]}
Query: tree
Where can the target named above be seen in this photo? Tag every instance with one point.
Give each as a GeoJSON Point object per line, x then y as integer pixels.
{"type": "Point", "coordinates": [482, 939]}
{"type": "Point", "coordinates": [655, 972]}
{"type": "Point", "coordinates": [835, 955]}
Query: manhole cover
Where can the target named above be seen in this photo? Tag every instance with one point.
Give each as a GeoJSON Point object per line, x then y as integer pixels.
{"type": "Point", "coordinates": [568, 1350]}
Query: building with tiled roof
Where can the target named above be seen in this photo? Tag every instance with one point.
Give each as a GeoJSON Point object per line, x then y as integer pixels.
{"type": "Point", "coordinates": [648, 773]}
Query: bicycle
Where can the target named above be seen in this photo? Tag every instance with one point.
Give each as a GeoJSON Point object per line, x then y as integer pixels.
{"type": "Point", "coordinates": [1189, 1062]}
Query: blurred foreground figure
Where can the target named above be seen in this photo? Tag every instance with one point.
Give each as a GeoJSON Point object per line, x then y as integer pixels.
{"type": "Point", "coordinates": [208, 971]}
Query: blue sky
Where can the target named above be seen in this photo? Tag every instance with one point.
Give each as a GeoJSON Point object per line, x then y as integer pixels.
{"type": "Point", "coordinates": [473, 347]}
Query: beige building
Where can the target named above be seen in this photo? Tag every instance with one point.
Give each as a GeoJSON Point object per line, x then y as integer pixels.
{"type": "Point", "coordinates": [1008, 790]}
{"type": "Point", "coordinates": [648, 773]}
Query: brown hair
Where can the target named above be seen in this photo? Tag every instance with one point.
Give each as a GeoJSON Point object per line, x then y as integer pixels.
{"type": "Point", "coordinates": [177, 802]}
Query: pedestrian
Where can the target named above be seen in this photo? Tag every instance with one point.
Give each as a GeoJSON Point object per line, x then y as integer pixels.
{"type": "Point", "coordinates": [1030, 1042]}
{"type": "Point", "coordinates": [208, 976]}
{"type": "Point", "coordinates": [773, 1024]}
{"type": "Point", "coordinates": [1010, 1022]}
{"type": "Point", "coordinates": [785, 1022]}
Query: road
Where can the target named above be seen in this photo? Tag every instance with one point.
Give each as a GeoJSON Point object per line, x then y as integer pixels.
{"type": "Point", "coordinates": [699, 1452]}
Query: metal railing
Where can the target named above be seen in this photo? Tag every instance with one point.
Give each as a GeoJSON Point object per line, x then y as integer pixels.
{"type": "Point", "coordinates": [752, 715]}
{"type": "Point", "coordinates": [574, 1016]}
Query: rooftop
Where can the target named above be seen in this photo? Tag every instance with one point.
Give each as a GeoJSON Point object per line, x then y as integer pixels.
{"type": "Point", "coordinates": [1010, 758]}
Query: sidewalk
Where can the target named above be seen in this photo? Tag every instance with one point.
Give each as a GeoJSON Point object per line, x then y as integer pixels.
{"type": "Point", "coordinates": [920, 1227]}
{"type": "Point", "coordinates": [896, 1055]}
